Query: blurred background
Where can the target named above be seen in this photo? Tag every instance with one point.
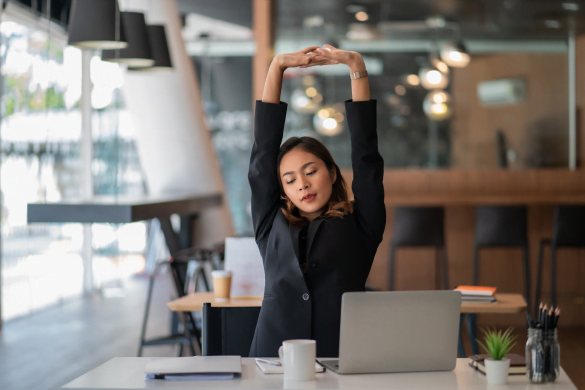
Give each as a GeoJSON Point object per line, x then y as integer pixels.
{"type": "Point", "coordinates": [479, 102]}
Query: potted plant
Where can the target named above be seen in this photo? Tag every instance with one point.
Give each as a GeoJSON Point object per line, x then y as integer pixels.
{"type": "Point", "coordinates": [497, 345]}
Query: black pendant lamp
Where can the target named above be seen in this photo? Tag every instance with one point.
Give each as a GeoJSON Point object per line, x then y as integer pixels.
{"type": "Point", "coordinates": [96, 24]}
{"type": "Point", "coordinates": [159, 48]}
{"type": "Point", "coordinates": [138, 53]}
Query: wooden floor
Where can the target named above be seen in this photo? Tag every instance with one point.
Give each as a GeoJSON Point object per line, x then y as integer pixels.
{"type": "Point", "coordinates": [51, 348]}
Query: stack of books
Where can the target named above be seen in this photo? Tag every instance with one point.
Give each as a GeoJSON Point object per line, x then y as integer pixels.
{"type": "Point", "coordinates": [477, 293]}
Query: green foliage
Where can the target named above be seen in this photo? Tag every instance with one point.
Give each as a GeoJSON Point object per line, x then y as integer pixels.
{"type": "Point", "coordinates": [497, 344]}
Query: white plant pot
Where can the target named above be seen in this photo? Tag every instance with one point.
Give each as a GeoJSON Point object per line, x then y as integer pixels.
{"type": "Point", "coordinates": [497, 371]}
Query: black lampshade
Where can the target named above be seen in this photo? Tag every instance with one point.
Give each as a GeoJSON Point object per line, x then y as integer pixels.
{"type": "Point", "coordinates": [96, 24]}
{"type": "Point", "coordinates": [138, 53]}
{"type": "Point", "coordinates": [159, 48]}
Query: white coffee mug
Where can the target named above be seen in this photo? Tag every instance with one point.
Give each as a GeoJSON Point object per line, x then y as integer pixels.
{"type": "Point", "coordinates": [298, 358]}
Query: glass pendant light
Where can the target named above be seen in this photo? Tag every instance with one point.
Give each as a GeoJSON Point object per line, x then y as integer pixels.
{"type": "Point", "coordinates": [434, 75]}
{"type": "Point", "coordinates": [306, 100]}
{"type": "Point", "coordinates": [455, 54]}
{"type": "Point", "coordinates": [96, 24]}
{"type": "Point", "coordinates": [328, 121]}
{"type": "Point", "coordinates": [138, 53]}
{"type": "Point", "coordinates": [438, 105]}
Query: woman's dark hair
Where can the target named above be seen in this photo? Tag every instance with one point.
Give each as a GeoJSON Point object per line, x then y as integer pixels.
{"type": "Point", "coordinates": [338, 204]}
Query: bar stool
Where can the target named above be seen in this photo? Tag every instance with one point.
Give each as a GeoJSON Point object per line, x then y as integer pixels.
{"type": "Point", "coordinates": [497, 226]}
{"type": "Point", "coordinates": [420, 226]}
{"type": "Point", "coordinates": [186, 267]}
{"type": "Point", "coordinates": [568, 231]}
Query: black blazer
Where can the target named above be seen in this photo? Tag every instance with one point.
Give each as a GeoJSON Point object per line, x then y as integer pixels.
{"type": "Point", "coordinates": [340, 251]}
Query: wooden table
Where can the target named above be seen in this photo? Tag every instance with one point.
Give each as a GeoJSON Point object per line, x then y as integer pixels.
{"type": "Point", "coordinates": [506, 303]}
{"type": "Point", "coordinates": [128, 373]}
{"type": "Point", "coordinates": [194, 302]}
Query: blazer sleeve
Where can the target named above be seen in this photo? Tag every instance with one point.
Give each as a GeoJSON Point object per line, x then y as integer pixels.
{"type": "Point", "coordinates": [368, 167]}
{"type": "Point", "coordinates": [268, 129]}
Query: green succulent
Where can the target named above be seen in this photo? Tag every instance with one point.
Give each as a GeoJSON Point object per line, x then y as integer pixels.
{"type": "Point", "coordinates": [496, 343]}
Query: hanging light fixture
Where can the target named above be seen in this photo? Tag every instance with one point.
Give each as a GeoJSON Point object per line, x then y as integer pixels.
{"type": "Point", "coordinates": [138, 53]}
{"type": "Point", "coordinates": [328, 121]}
{"type": "Point", "coordinates": [455, 54]}
{"type": "Point", "coordinates": [159, 49]}
{"type": "Point", "coordinates": [306, 100]}
{"type": "Point", "coordinates": [435, 75]}
{"type": "Point", "coordinates": [96, 24]}
{"type": "Point", "coordinates": [438, 105]}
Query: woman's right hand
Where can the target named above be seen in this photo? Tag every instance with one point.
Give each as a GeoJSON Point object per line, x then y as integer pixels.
{"type": "Point", "coordinates": [302, 58]}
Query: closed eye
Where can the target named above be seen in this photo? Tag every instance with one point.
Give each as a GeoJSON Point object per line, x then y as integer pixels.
{"type": "Point", "coordinates": [292, 181]}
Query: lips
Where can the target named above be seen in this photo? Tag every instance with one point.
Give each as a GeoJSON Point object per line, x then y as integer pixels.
{"type": "Point", "coordinates": [309, 197]}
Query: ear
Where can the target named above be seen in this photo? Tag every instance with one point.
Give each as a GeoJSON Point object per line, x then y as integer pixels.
{"type": "Point", "coordinates": [333, 174]}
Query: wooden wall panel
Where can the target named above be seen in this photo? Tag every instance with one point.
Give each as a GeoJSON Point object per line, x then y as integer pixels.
{"type": "Point", "coordinates": [536, 129]}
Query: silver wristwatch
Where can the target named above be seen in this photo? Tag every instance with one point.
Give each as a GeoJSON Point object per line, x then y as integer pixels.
{"type": "Point", "coordinates": [358, 75]}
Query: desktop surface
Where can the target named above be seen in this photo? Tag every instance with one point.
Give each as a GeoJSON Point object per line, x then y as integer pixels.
{"type": "Point", "coordinates": [128, 373]}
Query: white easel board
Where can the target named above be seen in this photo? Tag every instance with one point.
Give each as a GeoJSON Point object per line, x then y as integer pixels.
{"type": "Point", "coordinates": [242, 257]}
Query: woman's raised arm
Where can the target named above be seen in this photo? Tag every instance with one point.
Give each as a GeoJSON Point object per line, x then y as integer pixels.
{"type": "Point", "coordinates": [269, 120]}
{"type": "Point", "coordinates": [367, 163]}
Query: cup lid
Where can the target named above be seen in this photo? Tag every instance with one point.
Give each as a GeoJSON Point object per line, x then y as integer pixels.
{"type": "Point", "coordinates": [221, 273]}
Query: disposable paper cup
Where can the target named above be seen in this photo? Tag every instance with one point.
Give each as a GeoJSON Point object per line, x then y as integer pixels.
{"type": "Point", "coordinates": [222, 281]}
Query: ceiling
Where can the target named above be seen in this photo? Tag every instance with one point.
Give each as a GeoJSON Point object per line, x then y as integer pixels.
{"type": "Point", "coordinates": [487, 19]}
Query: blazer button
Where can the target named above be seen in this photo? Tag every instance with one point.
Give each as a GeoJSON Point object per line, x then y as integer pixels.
{"type": "Point", "coordinates": [306, 296]}
{"type": "Point", "coordinates": [313, 264]}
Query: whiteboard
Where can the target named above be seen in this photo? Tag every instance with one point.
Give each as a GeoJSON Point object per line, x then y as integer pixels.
{"type": "Point", "coordinates": [242, 257]}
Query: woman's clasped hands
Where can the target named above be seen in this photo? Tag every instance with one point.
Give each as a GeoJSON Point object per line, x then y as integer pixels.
{"type": "Point", "coordinates": [315, 55]}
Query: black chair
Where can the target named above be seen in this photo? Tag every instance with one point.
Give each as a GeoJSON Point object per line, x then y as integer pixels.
{"type": "Point", "coordinates": [569, 232]}
{"type": "Point", "coordinates": [497, 226]}
{"type": "Point", "coordinates": [419, 226]}
{"type": "Point", "coordinates": [228, 330]}
{"type": "Point", "coordinates": [502, 226]}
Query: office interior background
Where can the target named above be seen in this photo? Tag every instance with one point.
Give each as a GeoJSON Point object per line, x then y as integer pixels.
{"type": "Point", "coordinates": [503, 123]}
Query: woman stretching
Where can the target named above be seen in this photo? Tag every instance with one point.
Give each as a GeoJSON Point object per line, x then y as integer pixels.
{"type": "Point", "coordinates": [314, 242]}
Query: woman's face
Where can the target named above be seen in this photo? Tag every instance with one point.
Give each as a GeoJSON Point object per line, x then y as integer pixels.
{"type": "Point", "coordinates": [306, 181]}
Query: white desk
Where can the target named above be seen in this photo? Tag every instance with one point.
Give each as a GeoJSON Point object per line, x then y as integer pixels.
{"type": "Point", "coordinates": [128, 373]}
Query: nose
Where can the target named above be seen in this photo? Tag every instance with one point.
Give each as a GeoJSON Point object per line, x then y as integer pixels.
{"type": "Point", "coordinates": [303, 184]}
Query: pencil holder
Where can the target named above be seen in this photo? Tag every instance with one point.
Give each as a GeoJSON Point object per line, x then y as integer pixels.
{"type": "Point", "coordinates": [542, 355]}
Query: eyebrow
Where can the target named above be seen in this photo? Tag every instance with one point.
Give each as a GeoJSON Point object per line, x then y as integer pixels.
{"type": "Point", "coordinates": [303, 167]}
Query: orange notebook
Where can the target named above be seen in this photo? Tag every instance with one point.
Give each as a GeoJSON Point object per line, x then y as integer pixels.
{"type": "Point", "coordinates": [477, 290]}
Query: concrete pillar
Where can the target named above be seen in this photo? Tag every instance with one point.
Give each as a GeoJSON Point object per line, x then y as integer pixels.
{"type": "Point", "coordinates": [173, 142]}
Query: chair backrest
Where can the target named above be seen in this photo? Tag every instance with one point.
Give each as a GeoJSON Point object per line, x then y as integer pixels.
{"type": "Point", "coordinates": [228, 330]}
{"type": "Point", "coordinates": [569, 226]}
{"type": "Point", "coordinates": [418, 226]}
{"type": "Point", "coordinates": [500, 226]}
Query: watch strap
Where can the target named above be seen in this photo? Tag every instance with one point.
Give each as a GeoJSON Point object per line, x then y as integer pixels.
{"type": "Point", "coordinates": [358, 75]}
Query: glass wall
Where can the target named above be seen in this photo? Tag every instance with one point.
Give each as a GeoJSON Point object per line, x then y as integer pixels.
{"type": "Point", "coordinates": [41, 162]}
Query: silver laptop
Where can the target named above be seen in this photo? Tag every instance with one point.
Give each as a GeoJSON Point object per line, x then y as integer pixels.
{"type": "Point", "coordinates": [397, 332]}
